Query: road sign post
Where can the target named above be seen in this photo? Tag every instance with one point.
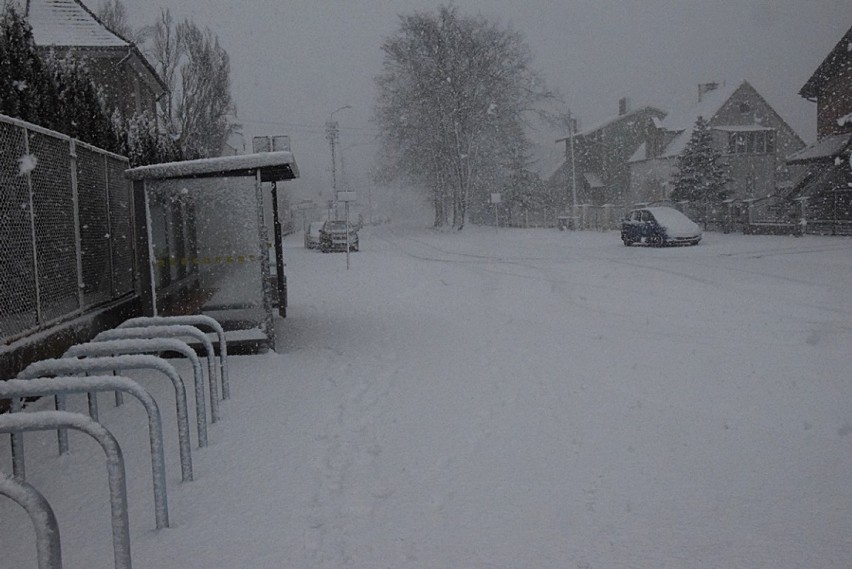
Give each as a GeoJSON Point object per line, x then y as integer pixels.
{"type": "Point", "coordinates": [346, 197]}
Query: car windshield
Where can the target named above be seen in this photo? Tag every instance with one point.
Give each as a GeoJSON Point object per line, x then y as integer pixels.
{"type": "Point", "coordinates": [593, 309]}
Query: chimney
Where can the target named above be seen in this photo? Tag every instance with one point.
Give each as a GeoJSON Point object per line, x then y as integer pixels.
{"type": "Point", "coordinates": [704, 88]}
{"type": "Point", "coordinates": [623, 106]}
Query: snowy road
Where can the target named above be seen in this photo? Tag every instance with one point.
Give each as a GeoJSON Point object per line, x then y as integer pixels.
{"type": "Point", "coordinates": [511, 398]}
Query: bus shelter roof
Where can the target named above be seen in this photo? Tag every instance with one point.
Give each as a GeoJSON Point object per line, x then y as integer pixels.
{"type": "Point", "coordinates": [273, 167]}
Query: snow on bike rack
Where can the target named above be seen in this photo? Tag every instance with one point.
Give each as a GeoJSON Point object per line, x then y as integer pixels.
{"type": "Point", "coordinates": [175, 331]}
{"type": "Point", "coordinates": [148, 346]}
{"type": "Point", "coordinates": [196, 320]}
{"type": "Point", "coordinates": [74, 366]}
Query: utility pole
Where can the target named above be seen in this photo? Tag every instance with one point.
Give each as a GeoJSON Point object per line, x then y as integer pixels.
{"type": "Point", "coordinates": [332, 132]}
{"type": "Point", "coordinates": [571, 132]}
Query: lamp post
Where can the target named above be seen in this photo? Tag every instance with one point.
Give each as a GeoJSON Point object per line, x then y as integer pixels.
{"type": "Point", "coordinates": [331, 134]}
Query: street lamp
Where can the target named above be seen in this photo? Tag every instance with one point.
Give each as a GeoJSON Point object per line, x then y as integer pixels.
{"type": "Point", "coordinates": [331, 134]}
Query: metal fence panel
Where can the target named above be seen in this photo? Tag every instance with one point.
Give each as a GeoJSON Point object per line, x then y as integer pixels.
{"type": "Point", "coordinates": [94, 227]}
{"type": "Point", "coordinates": [56, 243]}
{"type": "Point", "coordinates": [17, 266]}
{"type": "Point", "coordinates": [120, 228]}
{"type": "Point", "coordinates": [66, 228]}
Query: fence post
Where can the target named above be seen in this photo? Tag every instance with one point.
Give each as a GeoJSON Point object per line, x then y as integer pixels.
{"type": "Point", "coordinates": [78, 241]}
{"type": "Point", "coordinates": [39, 311]}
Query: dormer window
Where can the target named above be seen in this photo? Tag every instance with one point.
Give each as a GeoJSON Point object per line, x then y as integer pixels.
{"type": "Point", "coordinates": [745, 107]}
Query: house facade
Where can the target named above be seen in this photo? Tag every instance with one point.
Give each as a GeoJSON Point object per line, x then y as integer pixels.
{"type": "Point", "coordinates": [596, 164]}
{"type": "Point", "coordinates": [129, 83]}
{"type": "Point", "coordinates": [750, 135]}
{"type": "Point", "coordinates": [825, 188]}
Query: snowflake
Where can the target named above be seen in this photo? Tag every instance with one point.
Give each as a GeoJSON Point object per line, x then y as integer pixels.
{"type": "Point", "coordinates": [20, 85]}
{"type": "Point", "coordinates": [26, 164]}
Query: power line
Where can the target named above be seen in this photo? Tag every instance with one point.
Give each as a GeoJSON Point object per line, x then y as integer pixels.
{"type": "Point", "coordinates": [313, 128]}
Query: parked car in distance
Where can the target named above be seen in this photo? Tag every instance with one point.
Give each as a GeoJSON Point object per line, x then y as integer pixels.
{"type": "Point", "coordinates": [659, 226]}
{"type": "Point", "coordinates": [312, 234]}
{"type": "Point", "coordinates": [332, 237]}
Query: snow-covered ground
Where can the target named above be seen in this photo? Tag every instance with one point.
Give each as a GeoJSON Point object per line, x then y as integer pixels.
{"type": "Point", "coordinates": [511, 398]}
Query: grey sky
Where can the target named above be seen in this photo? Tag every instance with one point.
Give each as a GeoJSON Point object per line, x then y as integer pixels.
{"type": "Point", "coordinates": [295, 61]}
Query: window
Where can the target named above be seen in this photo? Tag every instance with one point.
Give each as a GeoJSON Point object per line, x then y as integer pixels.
{"type": "Point", "coordinates": [751, 142]}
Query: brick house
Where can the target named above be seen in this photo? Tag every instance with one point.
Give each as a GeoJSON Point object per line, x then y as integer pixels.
{"type": "Point", "coordinates": [129, 82]}
{"type": "Point", "coordinates": [751, 136]}
{"type": "Point", "coordinates": [600, 157]}
{"type": "Point", "coordinates": [826, 186]}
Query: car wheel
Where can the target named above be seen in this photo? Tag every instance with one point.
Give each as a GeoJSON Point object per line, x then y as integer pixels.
{"type": "Point", "coordinates": [656, 241]}
{"type": "Point", "coordinates": [627, 241]}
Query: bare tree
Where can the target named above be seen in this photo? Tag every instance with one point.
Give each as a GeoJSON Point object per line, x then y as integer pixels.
{"type": "Point", "coordinates": [197, 111]}
{"type": "Point", "coordinates": [113, 14]}
{"type": "Point", "coordinates": [166, 52]}
{"type": "Point", "coordinates": [453, 94]}
{"type": "Point", "coordinates": [204, 106]}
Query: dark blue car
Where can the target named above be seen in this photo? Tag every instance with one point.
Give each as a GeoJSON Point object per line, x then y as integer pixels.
{"type": "Point", "coordinates": [659, 226]}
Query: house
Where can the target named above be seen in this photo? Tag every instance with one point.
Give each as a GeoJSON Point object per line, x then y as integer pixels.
{"type": "Point", "coordinates": [129, 82]}
{"type": "Point", "coordinates": [596, 164]}
{"type": "Point", "coordinates": [751, 136]}
{"type": "Point", "coordinates": [826, 186]}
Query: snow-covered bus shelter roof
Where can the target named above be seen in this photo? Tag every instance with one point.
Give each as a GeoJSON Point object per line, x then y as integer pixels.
{"type": "Point", "coordinates": [273, 167]}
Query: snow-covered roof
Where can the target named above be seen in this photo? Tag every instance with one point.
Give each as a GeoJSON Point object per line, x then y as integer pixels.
{"type": "Point", "coordinates": [835, 62]}
{"type": "Point", "coordinates": [640, 154]}
{"type": "Point", "coordinates": [68, 23]}
{"type": "Point", "coordinates": [593, 180]}
{"type": "Point", "coordinates": [683, 121]}
{"type": "Point", "coordinates": [825, 149]}
{"type": "Point", "coordinates": [273, 166]}
{"type": "Point", "coordinates": [707, 107]}
{"type": "Point", "coordinates": [614, 119]}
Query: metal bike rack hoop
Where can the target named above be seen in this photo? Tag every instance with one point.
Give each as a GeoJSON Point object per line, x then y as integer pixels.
{"type": "Point", "coordinates": [152, 346]}
{"type": "Point", "coordinates": [48, 549]}
{"type": "Point", "coordinates": [16, 388]}
{"type": "Point", "coordinates": [196, 320]}
{"type": "Point", "coordinates": [74, 366]}
{"type": "Point", "coordinates": [49, 420]}
{"type": "Point", "coordinates": [177, 331]}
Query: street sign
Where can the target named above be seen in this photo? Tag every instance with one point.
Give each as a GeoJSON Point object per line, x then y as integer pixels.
{"type": "Point", "coordinates": [346, 196]}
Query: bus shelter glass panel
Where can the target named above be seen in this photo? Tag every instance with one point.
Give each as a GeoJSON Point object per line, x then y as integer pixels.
{"type": "Point", "coordinates": [205, 237]}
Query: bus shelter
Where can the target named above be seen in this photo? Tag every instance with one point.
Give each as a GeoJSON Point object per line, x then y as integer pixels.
{"type": "Point", "coordinates": [207, 239]}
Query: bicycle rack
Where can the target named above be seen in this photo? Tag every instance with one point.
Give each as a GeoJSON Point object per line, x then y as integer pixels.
{"type": "Point", "coordinates": [17, 388]}
{"type": "Point", "coordinates": [176, 331]}
{"type": "Point", "coordinates": [48, 550]}
{"type": "Point", "coordinates": [73, 366]}
{"type": "Point", "coordinates": [147, 346]}
{"type": "Point", "coordinates": [196, 320]}
{"type": "Point", "coordinates": [49, 420]}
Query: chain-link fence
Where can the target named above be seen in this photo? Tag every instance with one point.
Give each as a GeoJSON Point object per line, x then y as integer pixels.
{"type": "Point", "coordinates": [66, 228]}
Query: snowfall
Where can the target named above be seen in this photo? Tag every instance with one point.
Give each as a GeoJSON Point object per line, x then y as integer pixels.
{"type": "Point", "coordinates": [501, 398]}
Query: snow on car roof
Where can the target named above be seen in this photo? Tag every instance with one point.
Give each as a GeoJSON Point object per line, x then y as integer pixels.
{"type": "Point", "coordinates": [673, 220]}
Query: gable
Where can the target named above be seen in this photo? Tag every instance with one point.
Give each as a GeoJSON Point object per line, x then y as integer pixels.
{"type": "Point", "coordinates": [742, 107]}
